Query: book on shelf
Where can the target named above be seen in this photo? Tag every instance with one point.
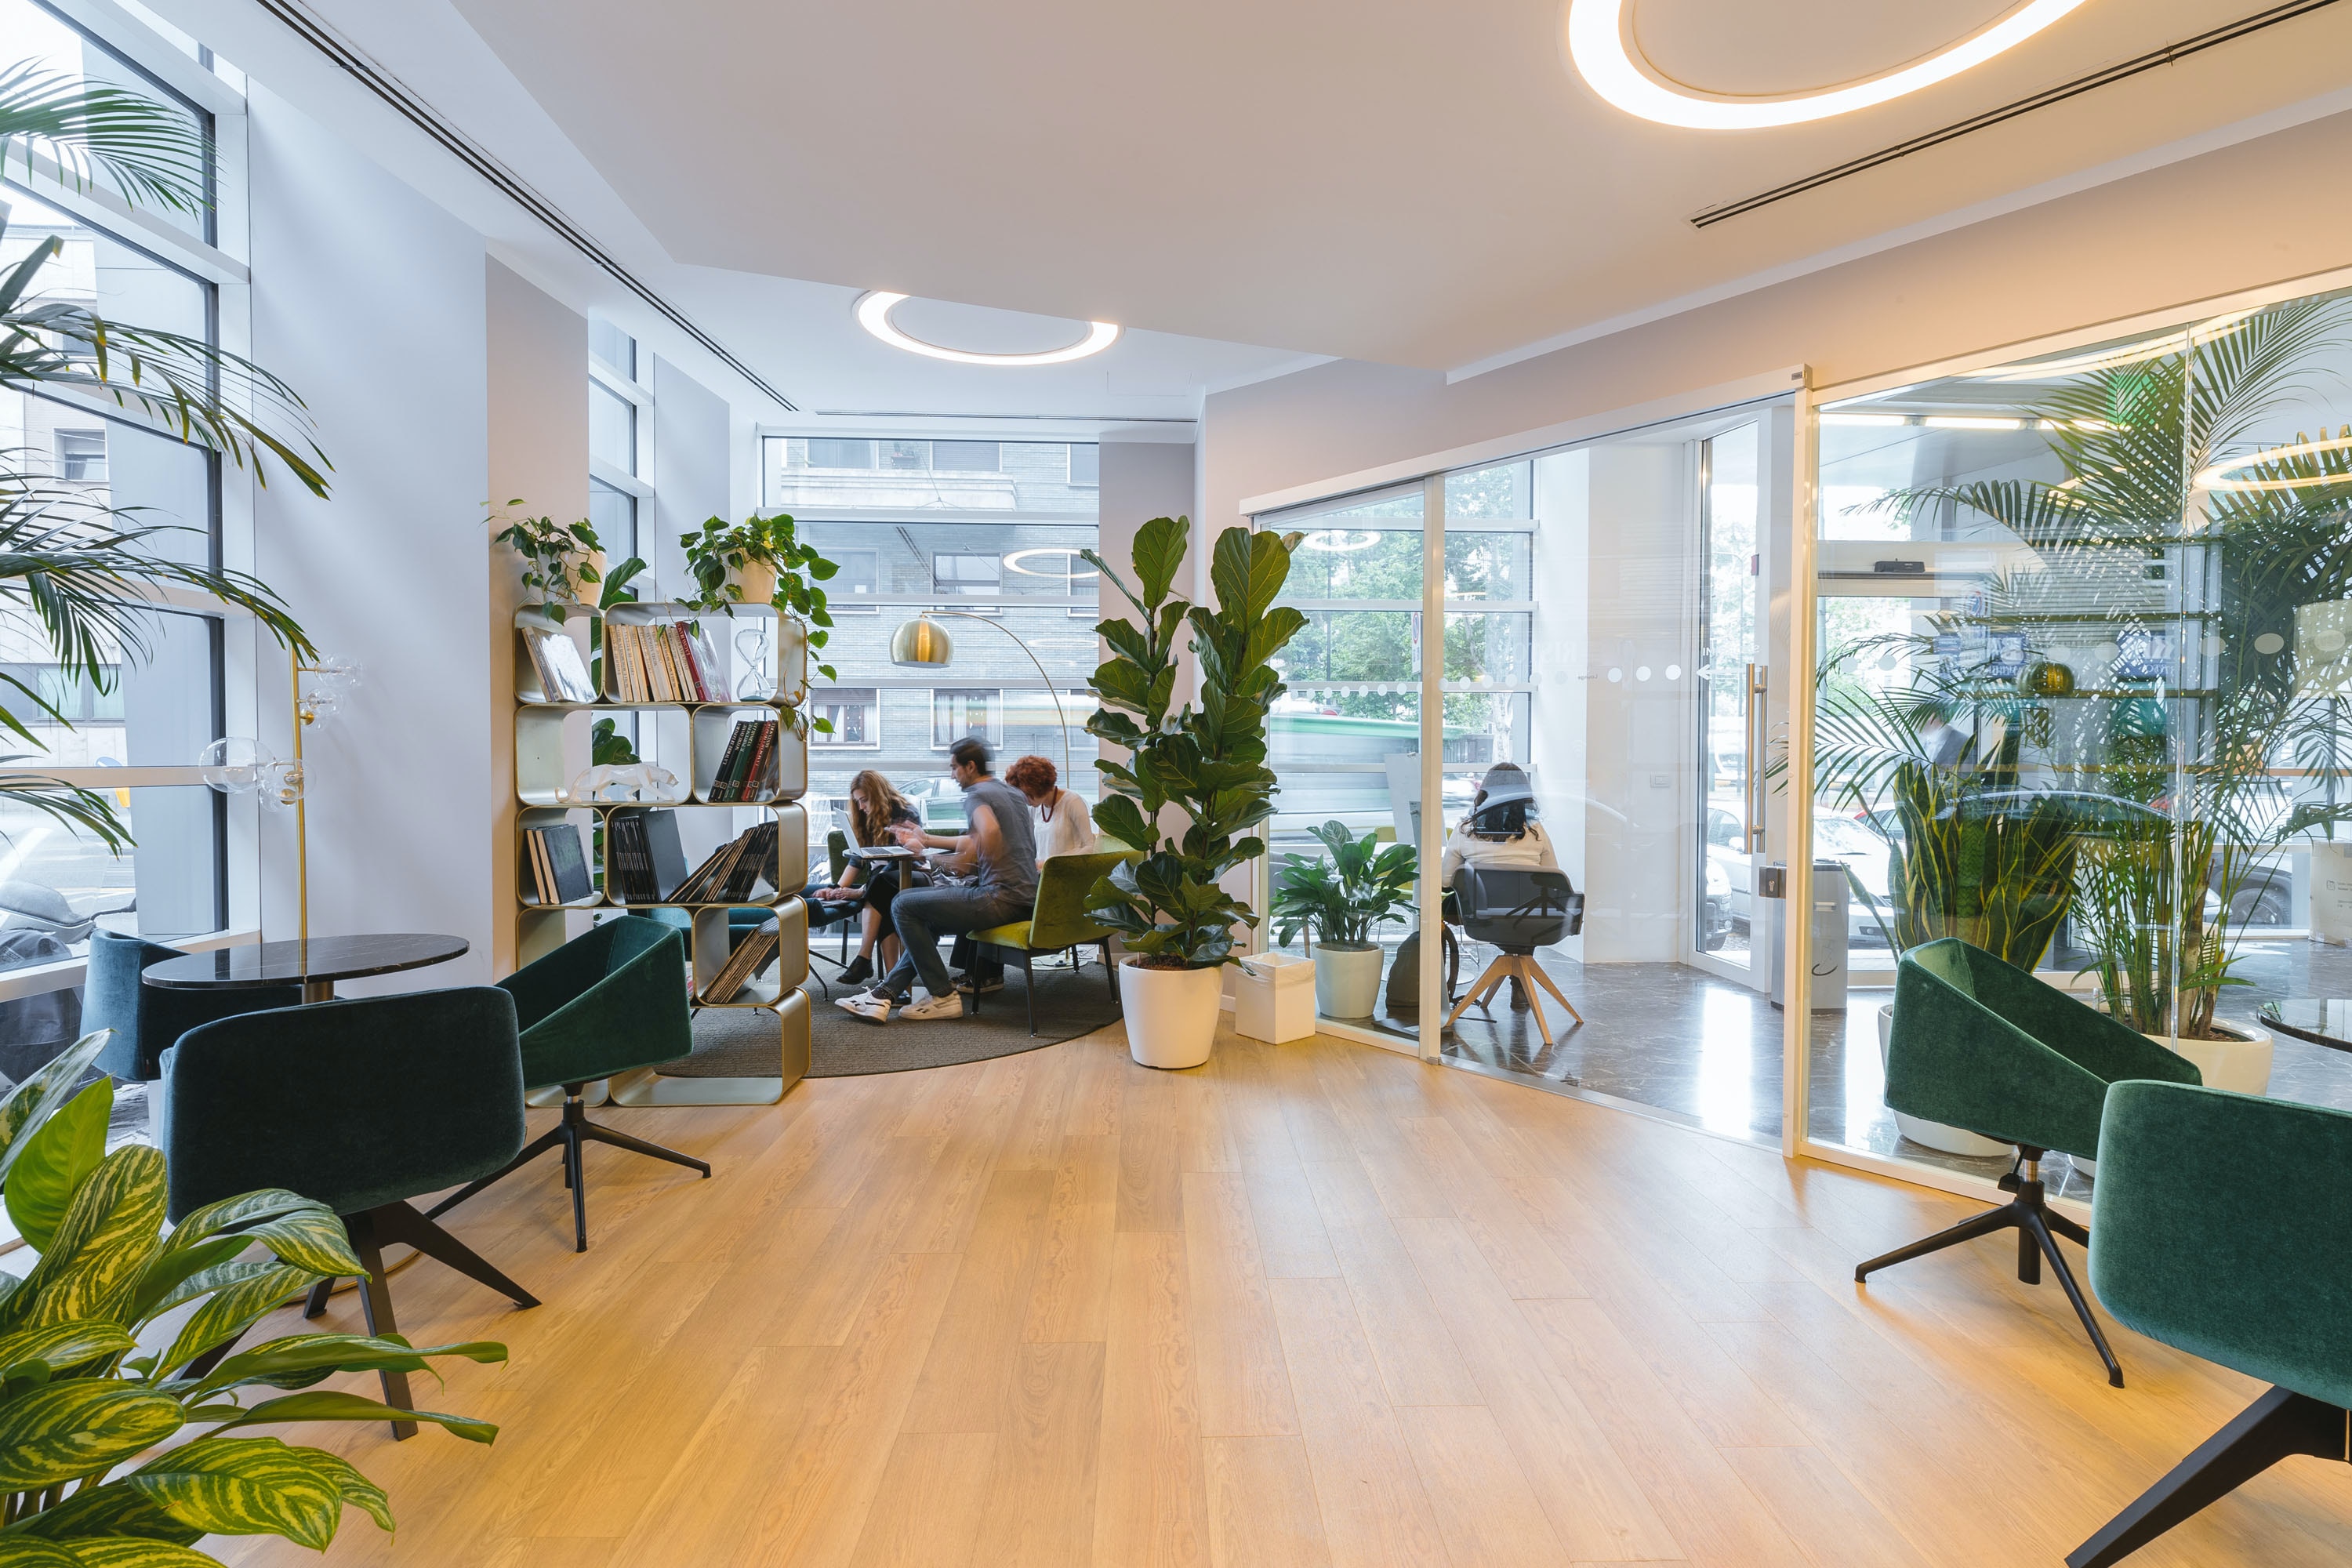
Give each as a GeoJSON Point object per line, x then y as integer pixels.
{"type": "Point", "coordinates": [706, 659]}
{"type": "Point", "coordinates": [744, 767]}
{"type": "Point", "coordinates": [701, 684]}
{"type": "Point", "coordinates": [752, 952]}
{"type": "Point", "coordinates": [646, 862]}
{"type": "Point", "coordinates": [733, 872]}
{"type": "Point", "coordinates": [562, 673]}
{"type": "Point", "coordinates": [558, 869]}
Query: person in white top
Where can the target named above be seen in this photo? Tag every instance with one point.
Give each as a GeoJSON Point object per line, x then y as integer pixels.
{"type": "Point", "coordinates": [1500, 833]}
{"type": "Point", "coordinates": [1064, 826]}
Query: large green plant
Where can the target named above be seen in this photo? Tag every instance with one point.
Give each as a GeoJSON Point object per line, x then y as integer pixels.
{"type": "Point", "coordinates": [1345, 895]}
{"type": "Point", "coordinates": [122, 1340]}
{"type": "Point", "coordinates": [1204, 763]}
{"type": "Point", "coordinates": [88, 573]}
{"type": "Point", "coordinates": [2197, 767]}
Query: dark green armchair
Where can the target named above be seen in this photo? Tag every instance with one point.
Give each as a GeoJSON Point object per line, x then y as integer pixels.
{"type": "Point", "coordinates": [2219, 1227]}
{"type": "Point", "coordinates": [1981, 1045]}
{"type": "Point", "coordinates": [361, 1104]}
{"type": "Point", "coordinates": [602, 1004]}
{"type": "Point", "coordinates": [1057, 921]}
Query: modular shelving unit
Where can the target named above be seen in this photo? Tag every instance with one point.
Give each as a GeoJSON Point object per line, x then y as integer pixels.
{"type": "Point", "coordinates": [765, 657]}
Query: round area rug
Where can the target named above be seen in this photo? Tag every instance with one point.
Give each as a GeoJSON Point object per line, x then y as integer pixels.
{"type": "Point", "coordinates": [739, 1043]}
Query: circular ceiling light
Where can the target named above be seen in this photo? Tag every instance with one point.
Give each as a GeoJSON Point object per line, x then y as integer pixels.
{"type": "Point", "coordinates": [1068, 555]}
{"type": "Point", "coordinates": [1609, 61]}
{"type": "Point", "coordinates": [874, 307]}
{"type": "Point", "coordinates": [1341, 540]}
{"type": "Point", "coordinates": [2223, 476]}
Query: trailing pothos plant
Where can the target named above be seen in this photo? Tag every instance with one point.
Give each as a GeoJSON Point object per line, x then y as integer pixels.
{"type": "Point", "coordinates": [1208, 762]}
{"type": "Point", "coordinates": [559, 559]}
{"type": "Point", "coordinates": [1344, 895]}
{"type": "Point", "coordinates": [122, 1340]}
{"type": "Point", "coordinates": [717, 556]}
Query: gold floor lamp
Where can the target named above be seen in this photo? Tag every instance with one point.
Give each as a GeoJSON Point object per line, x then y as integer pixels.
{"type": "Point", "coordinates": [923, 644]}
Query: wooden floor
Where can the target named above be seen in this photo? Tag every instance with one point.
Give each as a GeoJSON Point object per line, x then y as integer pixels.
{"type": "Point", "coordinates": [1313, 1304]}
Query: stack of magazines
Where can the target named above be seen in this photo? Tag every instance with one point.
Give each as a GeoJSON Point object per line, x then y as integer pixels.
{"type": "Point", "coordinates": [754, 951]}
{"type": "Point", "coordinates": [558, 871]}
{"type": "Point", "coordinates": [734, 875]}
{"type": "Point", "coordinates": [563, 675]}
{"type": "Point", "coordinates": [665, 662]}
{"type": "Point", "coordinates": [747, 768]}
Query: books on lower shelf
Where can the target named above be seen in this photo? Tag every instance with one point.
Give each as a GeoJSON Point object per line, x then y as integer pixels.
{"type": "Point", "coordinates": [563, 674]}
{"type": "Point", "coordinates": [752, 952]}
{"type": "Point", "coordinates": [733, 874]}
{"type": "Point", "coordinates": [747, 768]}
{"type": "Point", "coordinates": [559, 870]}
{"type": "Point", "coordinates": [644, 863]}
{"type": "Point", "coordinates": [663, 661]}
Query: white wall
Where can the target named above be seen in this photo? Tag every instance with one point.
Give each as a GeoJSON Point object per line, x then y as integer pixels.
{"type": "Point", "coordinates": [371, 302]}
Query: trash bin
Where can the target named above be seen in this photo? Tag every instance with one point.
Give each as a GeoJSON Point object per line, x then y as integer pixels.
{"type": "Point", "coordinates": [1830, 896]}
{"type": "Point", "coordinates": [1273, 997]}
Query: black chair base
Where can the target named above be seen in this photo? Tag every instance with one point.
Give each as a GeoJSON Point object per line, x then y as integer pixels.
{"type": "Point", "coordinates": [571, 1135]}
{"type": "Point", "coordinates": [1029, 975]}
{"type": "Point", "coordinates": [371, 1231]}
{"type": "Point", "coordinates": [2279, 1426]}
{"type": "Point", "coordinates": [2029, 1215]}
{"type": "Point", "coordinates": [1520, 964]}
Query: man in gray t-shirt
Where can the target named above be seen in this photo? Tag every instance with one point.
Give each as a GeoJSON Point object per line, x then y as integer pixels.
{"type": "Point", "coordinates": [1000, 852]}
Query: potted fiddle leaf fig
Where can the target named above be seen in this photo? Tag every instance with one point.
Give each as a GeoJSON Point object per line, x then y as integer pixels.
{"type": "Point", "coordinates": [125, 1422]}
{"type": "Point", "coordinates": [1341, 900]}
{"type": "Point", "coordinates": [1195, 783]}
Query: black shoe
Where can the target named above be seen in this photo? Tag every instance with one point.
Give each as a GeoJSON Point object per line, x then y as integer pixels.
{"type": "Point", "coordinates": [857, 969]}
{"type": "Point", "coordinates": [987, 984]}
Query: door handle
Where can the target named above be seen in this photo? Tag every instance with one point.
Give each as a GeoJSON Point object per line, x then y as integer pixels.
{"type": "Point", "coordinates": [1752, 786]}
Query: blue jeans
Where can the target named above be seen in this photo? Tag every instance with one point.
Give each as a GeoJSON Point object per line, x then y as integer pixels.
{"type": "Point", "coordinates": [923, 915]}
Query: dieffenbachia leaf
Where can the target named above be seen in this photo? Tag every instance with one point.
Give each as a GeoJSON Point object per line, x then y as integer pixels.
{"type": "Point", "coordinates": [244, 1293]}
{"type": "Point", "coordinates": [54, 1161]}
{"type": "Point", "coordinates": [24, 1108]}
{"type": "Point", "coordinates": [245, 1486]}
{"type": "Point", "coordinates": [93, 1264]}
{"type": "Point", "coordinates": [298, 1359]}
{"type": "Point", "coordinates": [326, 1404]}
{"type": "Point", "coordinates": [58, 1347]}
{"type": "Point", "coordinates": [64, 1430]}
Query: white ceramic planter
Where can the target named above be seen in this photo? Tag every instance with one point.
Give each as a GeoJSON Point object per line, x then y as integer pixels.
{"type": "Point", "coordinates": [1171, 1013]}
{"type": "Point", "coordinates": [1930, 1134]}
{"type": "Point", "coordinates": [2241, 1065]}
{"type": "Point", "coordinates": [1347, 979]}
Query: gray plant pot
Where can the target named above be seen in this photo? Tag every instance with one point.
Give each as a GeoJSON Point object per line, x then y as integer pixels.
{"type": "Point", "coordinates": [1346, 978]}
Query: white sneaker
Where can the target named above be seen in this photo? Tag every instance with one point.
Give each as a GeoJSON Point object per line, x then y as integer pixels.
{"type": "Point", "coordinates": [948, 1006]}
{"type": "Point", "coordinates": [873, 1006]}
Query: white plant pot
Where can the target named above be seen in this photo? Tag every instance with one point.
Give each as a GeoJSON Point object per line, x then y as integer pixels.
{"type": "Point", "coordinates": [2241, 1065]}
{"type": "Point", "coordinates": [1171, 1013]}
{"type": "Point", "coordinates": [1347, 979]}
{"type": "Point", "coordinates": [1930, 1134]}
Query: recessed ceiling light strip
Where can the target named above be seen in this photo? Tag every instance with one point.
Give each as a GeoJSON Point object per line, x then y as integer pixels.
{"type": "Point", "coordinates": [422, 115]}
{"type": "Point", "coordinates": [2167, 55]}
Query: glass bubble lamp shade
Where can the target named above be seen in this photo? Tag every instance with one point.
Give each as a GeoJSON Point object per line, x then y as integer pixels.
{"type": "Point", "coordinates": [237, 765]}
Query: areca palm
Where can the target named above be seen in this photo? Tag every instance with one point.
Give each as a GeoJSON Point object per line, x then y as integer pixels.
{"type": "Point", "coordinates": [89, 574]}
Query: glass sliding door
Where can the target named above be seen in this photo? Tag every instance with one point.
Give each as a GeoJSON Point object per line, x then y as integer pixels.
{"type": "Point", "coordinates": [1589, 597]}
{"type": "Point", "coordinates": [2081, 625]}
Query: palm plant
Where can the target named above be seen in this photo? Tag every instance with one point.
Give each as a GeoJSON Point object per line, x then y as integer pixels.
{"type": "Point", "coordinates": [2199, 809]}
{"type": "Point", "coordinates": [91, 574]}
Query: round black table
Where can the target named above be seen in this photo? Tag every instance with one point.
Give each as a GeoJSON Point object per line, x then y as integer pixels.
{"type": "Point", "coordinates": [316, 964]}
{"type": "Point", "coordinates": [2322, 1020]}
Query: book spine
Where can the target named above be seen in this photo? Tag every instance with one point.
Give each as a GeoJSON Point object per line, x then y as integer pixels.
{"type": "Point", "coordinates": [695, 675]}
{"type": "Point", "coordinates": [616, 655]}
{"type": "Point", "coordinates": [724, 776]}
{"type": "Point", "coordinates": [640, 677]}
{"type": "Point", "coordinates": [755, 774]}
{"type": "Point", "coordinates": [536, 850]}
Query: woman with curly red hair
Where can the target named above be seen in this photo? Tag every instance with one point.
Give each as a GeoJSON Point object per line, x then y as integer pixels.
{"type": "Point", "coordinates": [1064, 826]}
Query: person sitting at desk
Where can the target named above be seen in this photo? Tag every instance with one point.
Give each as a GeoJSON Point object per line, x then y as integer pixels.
{"type": "Point", "coordinates": [1501, 833]}
{"type": "Point", "coordinates": [1000, 856]}
{"type": "Point", "coordinates": [1064, 826]}
{"type": "Point", "coordinates": [875, 807]}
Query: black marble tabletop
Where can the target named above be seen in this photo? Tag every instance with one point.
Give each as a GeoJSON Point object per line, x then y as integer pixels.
{"type": "Point", "coordinates": [2322, 1020]}
{"type": "Point", "coordinates": [320, 959]}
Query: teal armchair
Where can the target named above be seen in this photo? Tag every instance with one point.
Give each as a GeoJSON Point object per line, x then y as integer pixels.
{"type": "Point", "coordinates": [1981, 1045]}
{"type": "Point", "coordinates": [602, 1004]}
{"type": "Point", "coordinates": [1057, 921]}
{"type": "Point", "coordinates": [2219, 1224]}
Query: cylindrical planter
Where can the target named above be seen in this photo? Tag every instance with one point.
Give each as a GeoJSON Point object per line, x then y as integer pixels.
{"type": "Point", "coordinates": [1171, 1013]}
{"type": "Point", "coordinates": [758, 581]}
{"type": "Point", "coordinates": [1346, 978]}
{"type": "Point", "coordinates": [1930, 1134]}
{"type": "Point", "coordinates": [2241, 1065]}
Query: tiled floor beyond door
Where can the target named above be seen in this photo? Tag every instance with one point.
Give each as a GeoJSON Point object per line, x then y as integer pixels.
{"type": "Point", "coordinates": [1313, 1306]}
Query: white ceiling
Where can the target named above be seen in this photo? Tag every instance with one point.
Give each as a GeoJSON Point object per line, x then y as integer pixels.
{"type": "Point", "coordinates": [1393, 180]}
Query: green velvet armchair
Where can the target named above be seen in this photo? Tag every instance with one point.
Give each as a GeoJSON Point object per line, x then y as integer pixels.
{"type": "Point", "coordinates": [361, 1104]}
{"type": "Point", "coordinates": [1057, 921]}
{"type": "Point", "coordinates": [602, 1004]}
{"type": "Point", "coordinates": [2219, 1230]}
{"type": "Point", "coordinates": [1981, 1045]}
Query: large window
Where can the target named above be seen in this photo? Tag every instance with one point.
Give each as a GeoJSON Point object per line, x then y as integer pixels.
{"type": "Point", "coordinates": [985, 534]}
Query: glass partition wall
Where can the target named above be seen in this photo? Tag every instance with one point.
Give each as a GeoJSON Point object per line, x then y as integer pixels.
{"type": "Point", "coordinates": [2081, 625]}
{"type": "Point", "coordinates": [1595, 704]}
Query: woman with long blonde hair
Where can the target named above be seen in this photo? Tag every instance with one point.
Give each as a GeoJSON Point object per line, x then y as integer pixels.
{"type": "Point", "coordinates": [875, 807]}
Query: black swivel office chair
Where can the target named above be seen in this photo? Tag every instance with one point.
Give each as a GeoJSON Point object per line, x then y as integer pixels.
{"type": "Point", "coordinates": [1518, 911]}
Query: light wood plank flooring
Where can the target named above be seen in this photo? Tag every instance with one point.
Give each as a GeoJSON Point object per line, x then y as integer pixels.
{"type": "Point", "coordinates": [1312, 1305]}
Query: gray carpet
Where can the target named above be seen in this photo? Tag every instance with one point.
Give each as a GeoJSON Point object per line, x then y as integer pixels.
{"type": "Point", "coordinates": [1069, 1004]}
